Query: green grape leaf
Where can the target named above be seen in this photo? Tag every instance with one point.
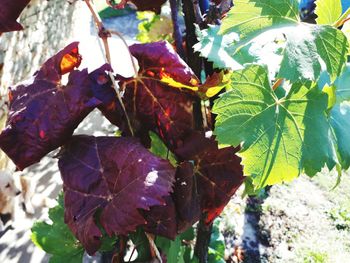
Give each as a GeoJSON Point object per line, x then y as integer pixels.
{"type": "Point", "coordinates": [342, 84]}
{"type": "Point", "coordinates": [56, 238]}
{"type": "Point", "coordinates": [280, 136]}
{"type": "Point", "coordinates": [252, 17]}
{"type": "Point", "coordinates": [306, 47]}
{"type": "Point", "coordinates": [328, 11]}
{"type": "Point", "coordinates": [340, 122]}
{"type": "Point", "coordinates": [216, 251]}
{"type": "Point", "coordinates": [216, 48]}
{"type": "Point", "coordinates": [159, 149]}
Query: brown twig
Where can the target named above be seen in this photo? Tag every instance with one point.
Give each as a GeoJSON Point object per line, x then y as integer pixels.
{"type": "Point", "coordinates": [277, 84]}
{"type": "Point", "coordinates": [154, 250]}
{"type": "Point", "coordinates": [104, 35]}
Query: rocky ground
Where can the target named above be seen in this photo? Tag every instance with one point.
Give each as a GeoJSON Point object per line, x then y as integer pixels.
{"type": "Point", "coordinates": [303, 221]}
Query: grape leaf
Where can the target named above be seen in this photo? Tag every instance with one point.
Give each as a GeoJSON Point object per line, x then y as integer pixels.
{"type": "Point", "coordinates": [339, 116]}
{"type": "Point", "coordinates": [340, 122]}
{"type": "Point", "coordinates": [153, 105]}
{"type": "Point", "coordinates": [162, 220]}
{"type": "Point", "coordinates": [217, 174]}
{"type": "Point", "coordinates": [216, 48]}
{"type": "Point", "coordinates": [342, 85]}
{"type": "Point", "coordinates": [43, 112]}
{"type": "Point", "coordinates": [186, 197]}
{"type": "Point", "coordinates": [305, 44]}
{"type": "Point", "coordinates": [329, 44]}
{"type": "Point", "coordinates": [9, 12]}
{"type": "Point", "coordinates": [280, 136]}
{"type": "Point", "coordinates": [100, 174]}
{"type": "Point", "coordinates": [47, 236]}
{"type": "Point", "coordinates": [143, 5]}
{"type": "Point", "coordinates": [251, 17]}
{"type": "Point", "coordinates": [328, 11]}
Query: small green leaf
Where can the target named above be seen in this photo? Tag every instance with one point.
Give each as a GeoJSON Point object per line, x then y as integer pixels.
{"type": "Point", "coordinates": [216, 252]}
{"type": "Point", "coordinates": [175, 251]}
{"type": "Point", "coordinates": [172, 249]}
{"type": "Point", "coordinates": [141, 243]}
{"type": "Point", "coordinates": [159, 149]}
{"type": "Point", "coordinates": [279, 137]}
{"type": "Point", "coordinates": [56, 238]}
{"type": "Point", "coordinates": [328, 11]}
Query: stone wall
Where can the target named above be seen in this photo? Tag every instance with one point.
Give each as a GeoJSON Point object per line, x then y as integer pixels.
{"type": "Point", "coordinates": [48, 24]}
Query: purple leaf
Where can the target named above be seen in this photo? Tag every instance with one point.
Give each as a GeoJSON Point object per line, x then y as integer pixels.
{"type": "Point", "coordinates": [113, 176]}
{"type": "Point", "coordinates": [44, 113]}
{"type": "Point", "coordinates": [9, 12]}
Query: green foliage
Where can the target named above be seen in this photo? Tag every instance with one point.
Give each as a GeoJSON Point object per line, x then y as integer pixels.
{"type": "Point", "coordinates": [153, 27]}
{"type": "Point", "coordinates": [249, 18]}
{"type": "Point", "coordinates": [328, 11]}
{"type": "Point", "coordinates": [176, 251]}
{"type": "Point", "coordinates": [305, 44]}
{"type": "Point", "coordinates": [280, 135]}
{"type": "Point", "coordinates": [216, 48]}
{"type": "Point", "coordinates": [141, 243]}
{"type": "Point", "coordinates": [160, 149]}
{"type": "Point", "coordinates": [216, 252]}
{"type": "Point", "coordinates": [56, 238]}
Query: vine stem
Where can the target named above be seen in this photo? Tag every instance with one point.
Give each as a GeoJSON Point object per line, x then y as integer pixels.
{"type": "Point", "coordinates": [104, 34]}
{"type": "Point", "coordinates": [277, 84]}
{"type": "Point", "coordinates": [154, 249]}
{"type": "Point", "coordinates": [341, 21]}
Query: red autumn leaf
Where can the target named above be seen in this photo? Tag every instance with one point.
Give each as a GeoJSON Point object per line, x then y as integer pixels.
{"type": "Point", "coordinates": [9, 12]}
{"type": "Point", "coordinates": [162, 220]}
{"type": "Point", "coordinates": [186, 197]}
{"type": "Point", "coordinates": [153, 105]}
{"type": "Point", "coordinates": [112, 177]}
{"type": "Point", "coordinates": [217, 176]}
{"type": "Point", "coordinates": [143, 5]}
{"type": "Point", "coordinates": [44, 113]}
